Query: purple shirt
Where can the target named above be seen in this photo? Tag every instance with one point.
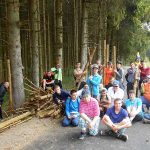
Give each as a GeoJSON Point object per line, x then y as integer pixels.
{"type": "Point", "coordinates": [116, 118]}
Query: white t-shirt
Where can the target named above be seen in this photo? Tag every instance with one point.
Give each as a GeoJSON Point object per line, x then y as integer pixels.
{"type": "Point", "coordinates": [118, 94]}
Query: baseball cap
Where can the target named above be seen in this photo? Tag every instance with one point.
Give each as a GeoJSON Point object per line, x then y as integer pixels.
{"type": "Point", "coordinates": [95, 66]}
{"type": "Point", "coordinates": [86, 93]}
{"type": "Point", "coordinates": [116, 83]}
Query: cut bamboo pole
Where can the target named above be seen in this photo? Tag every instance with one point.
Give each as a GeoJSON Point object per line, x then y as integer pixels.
{"type": "Point", "coordinates": [10, 86]}
{"type": "Point", "coordinates": [6, 123]}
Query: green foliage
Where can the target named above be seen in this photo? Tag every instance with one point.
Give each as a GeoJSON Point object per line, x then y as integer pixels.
{"type": "Point", "coordinates": [132, 36]}
{"type": "Point", "coordinates": [116, 10]}
{"type": "Point", "coordinates": [68, 79]}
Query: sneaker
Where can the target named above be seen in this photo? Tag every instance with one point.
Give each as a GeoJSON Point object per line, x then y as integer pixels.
{"type": "Point", "coordinates": [123, 137]}
{"type": "Point", "coordinates": [106, 132]}
{"type": "Point", "coordinates": [82, 136]}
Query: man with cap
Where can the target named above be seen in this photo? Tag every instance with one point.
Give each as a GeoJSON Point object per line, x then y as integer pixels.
{"type": "Point", "coordinates": [134, 107]}
{"type": "Point", "coordinates": [89, 112]}
{"type": "Point", "coordinates": [94, 81]}
{"type": "Point", "coordinates": [146, 93]}
{"type": "Point", "coordinates": [115, 92]}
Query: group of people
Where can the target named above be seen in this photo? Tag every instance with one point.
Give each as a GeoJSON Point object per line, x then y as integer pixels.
{"type": "Point", "coordinates": [95, 101]}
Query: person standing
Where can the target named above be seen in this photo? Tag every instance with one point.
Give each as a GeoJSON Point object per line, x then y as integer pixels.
{"type": "Point", "coordinates": [58, 75]}
{"type": "Point", "coordinates": [94, 81]}
{"type": "Point", "coordinates": [3, 89]}
{"type": "Point", "coordinates": [130, 78]}
{"type": "Point", "coordinates": [109, 73]}
{"type": "Point", "coordinates": [119, 74]}
{"type": "Point", "coordinates": [79, 76]}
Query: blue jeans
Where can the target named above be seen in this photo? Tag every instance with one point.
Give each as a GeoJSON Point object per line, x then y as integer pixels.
{"type": "Point", "coordinates": [74, 121]}
{"type": "Point", "coordinates": [145, 101]}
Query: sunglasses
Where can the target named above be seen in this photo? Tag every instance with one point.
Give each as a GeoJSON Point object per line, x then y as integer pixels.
{"type": "Point", "coordinates": [115, 86]}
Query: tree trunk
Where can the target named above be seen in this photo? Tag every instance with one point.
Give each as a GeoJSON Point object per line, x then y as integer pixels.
{"type": "Point", "coordinates": [84, 36]}
{"type": "Point", "coordinates": [59, 33]}
{"type": "Point", "coordinates": [15, 52]}
{"type": "Point", "coordinates": [34, 41]}
{"type": "Point", "coordinates": [76, 36]}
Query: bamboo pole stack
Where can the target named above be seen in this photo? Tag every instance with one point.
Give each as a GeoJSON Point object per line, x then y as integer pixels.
{"type": "Point", "coordinates": [40, 103]}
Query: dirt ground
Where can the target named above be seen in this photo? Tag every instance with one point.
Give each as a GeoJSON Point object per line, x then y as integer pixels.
{"type": "Point", "coordinates": [47, 134]}
{"type": "Point", "coordinates": [21, 135]}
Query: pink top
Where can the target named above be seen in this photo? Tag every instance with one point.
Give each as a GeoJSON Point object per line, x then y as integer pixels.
{"type": "Point", "coordinates": [91, 108]}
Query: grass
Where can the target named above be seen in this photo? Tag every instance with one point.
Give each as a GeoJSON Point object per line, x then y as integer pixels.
{"type": "Point", "coordinates": [68, 83]}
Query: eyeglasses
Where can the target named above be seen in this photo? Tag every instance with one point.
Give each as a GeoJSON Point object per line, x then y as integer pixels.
{"type": "Point", "coordinates": [115, 86]}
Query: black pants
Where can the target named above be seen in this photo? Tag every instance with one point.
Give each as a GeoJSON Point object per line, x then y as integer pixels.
{"type": "Point", "coordinates": [58, 82]}
{"type": "Point", "coordinates": [130, 86]}
{"type": "Point", "coordinates": [1, 115]}
{"type": "Point", "coordinates": [81, 85]}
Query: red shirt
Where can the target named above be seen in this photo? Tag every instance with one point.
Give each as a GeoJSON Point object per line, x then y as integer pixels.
{"type": "Point", "coordinates": [144, 72]}
{"type": "Point", "coordinates": [48, 78]}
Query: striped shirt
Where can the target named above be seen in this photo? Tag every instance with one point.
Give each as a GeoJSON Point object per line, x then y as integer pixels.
{"type": "Point", "coordinates": [91, 108]}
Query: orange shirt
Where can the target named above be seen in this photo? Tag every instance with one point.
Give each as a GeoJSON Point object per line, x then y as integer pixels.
{"type": "Point", "coordinates": [108, 74]}
{"type": "Point", "coordinates": [147, 91]}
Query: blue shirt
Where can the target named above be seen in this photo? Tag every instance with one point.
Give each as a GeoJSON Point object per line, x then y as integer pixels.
{"type": "Point", "coordinates": [94, 84]}
{"type": "Point", "coordinates": [130, 72]}
{"type": "Point", "coordinates": [116, 118]}
{"type": "Point", "coordinates": [72, 107]}
{"type": "Point", "coordinates": [134, 103]}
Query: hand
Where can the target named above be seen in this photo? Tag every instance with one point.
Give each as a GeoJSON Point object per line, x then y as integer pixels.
{"type": "Point", "coordinates": [74, 116]}
{"type": "Point", "coordinates": [115, 70]}
{"type": "Point", "coordinates": [59, 102]}
{"type": "Point", "coordinates": [90, 77]}
{"type": "Point", "coordinates": [91, 125]}
{"type": "Point", "coordinates": [69, 117]}
{"type": "Point", "coordinates": [114, 128]}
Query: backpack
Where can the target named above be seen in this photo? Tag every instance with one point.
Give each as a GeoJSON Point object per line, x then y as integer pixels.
{"type": "Point", "coordinates": [146, 118]}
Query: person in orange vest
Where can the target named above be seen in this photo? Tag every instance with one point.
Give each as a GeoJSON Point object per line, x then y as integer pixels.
{"type": "Point", "coordinates": [146, 93]}
{"type": "Point", "coordinates": [109, 73]}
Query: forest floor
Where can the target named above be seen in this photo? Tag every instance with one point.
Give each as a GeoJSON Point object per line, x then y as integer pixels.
{"type": "Point", "coordinates": [47, 134]}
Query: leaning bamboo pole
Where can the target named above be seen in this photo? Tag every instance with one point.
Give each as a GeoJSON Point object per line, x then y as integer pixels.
{"type": "Point", "coordinates": [10, 86]}
{"type": "Point", "coordinates": [104, 60]}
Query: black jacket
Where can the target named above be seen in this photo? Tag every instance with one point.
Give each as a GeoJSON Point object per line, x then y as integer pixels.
{"type": "Point", "coordinates": [3, 91]}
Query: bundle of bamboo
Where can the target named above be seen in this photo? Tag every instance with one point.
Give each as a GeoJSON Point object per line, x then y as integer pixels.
{"type": "Point", "coordinates": [40, 104]}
